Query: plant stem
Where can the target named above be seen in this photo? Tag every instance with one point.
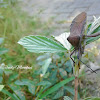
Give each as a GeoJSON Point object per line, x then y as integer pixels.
{"type": "Point", "coordinates": [77, 66]}
{"type": "Point", "coordinates": [76, 88]}
{"type": "Point", "coordinates": [38, 88]}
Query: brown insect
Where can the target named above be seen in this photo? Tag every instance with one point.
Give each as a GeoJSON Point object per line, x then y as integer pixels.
{"type": "Point", "coordinates": [77, 37]}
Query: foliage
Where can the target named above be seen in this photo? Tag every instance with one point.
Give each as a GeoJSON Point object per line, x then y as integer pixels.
{"type": "Point", "coordinates": [31, 86]}
{"type": "Point", "coordinates": [52, 77]}
{"type": "Point", "coordinates": [93, 28]}
{"type": "Point", "coordinates": [39, 44]}
{"type": "Point", "coordinates": [92, 98]}
{"type": "Point", "coordinates": [1, 87]}
{"type": "Point", "coordinates": [67, 98]}
{"type": "Point", "coordinates": [56, 87]}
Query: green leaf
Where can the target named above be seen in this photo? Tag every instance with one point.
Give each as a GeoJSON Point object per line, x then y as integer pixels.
{"type": "Point", "coordinates": [71, 90]}
{"type": "Point", "coordinates": [44, 56]}
{"type": "Point", "coordinates": [56, 87]}
{"type": "Point", "coordinates": [41, 44]}
{"type": "Point", "coordinates": [31, 89]}
{"type": "Point", "coordinates": [59, 94]}
{"type": "Point", "coordinates": [17, 92]}
{"type": "Point", "coordinates": [67, 98]}
{"type": "Point", "coordinates": [94, 25]}
{"type": "Point", "coordinates": [68, 66]}
{"type": "Point", "coordinates": [1, 40]}
{"type": "Point", "coordinates": [53, 76]}
{"type": "Point", "coordinates": [92, 98]}
{"type": "Point", "coordinates": [20, 94]}
{"type": "Point", "coordinates": [46, 65]}
{"type": "Point", "coordinates": [18, 82]}
{"type": "Point", "coordinates": [9, 94]}
{"type": "Point", "coordinates": [44, 83]}
{"type": "Point", "coordinates": [3, 50]}
{"type": "Point", "coordinates": [13, 77]}
{"type": "Point", "coordinates": [92, 39]}
{"type": "Point", "coordinates": [39, 93]}
{"type": "Point", "coordinates": [1, 87]}
{"type": "Point", "coordinates": [63, 73]}
{"type": "Point", "coordinates": [30, 84]}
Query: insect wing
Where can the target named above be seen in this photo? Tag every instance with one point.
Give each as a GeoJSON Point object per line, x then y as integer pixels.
{"type": "Point", "coordinates": [78, 24]}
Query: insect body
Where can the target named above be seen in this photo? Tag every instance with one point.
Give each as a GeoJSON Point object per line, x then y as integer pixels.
{"type": "Point", "coordinates": [77, 30]}
{"type": "Point", "coordinates": [77, 33]}
{"type": "Point", "coordinates": [77, 37]}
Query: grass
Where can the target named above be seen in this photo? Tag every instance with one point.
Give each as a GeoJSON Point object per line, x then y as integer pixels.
{"type": "Point", "coordinates": [15, 24]}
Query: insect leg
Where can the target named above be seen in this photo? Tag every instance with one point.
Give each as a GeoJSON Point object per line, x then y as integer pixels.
{"type": "Point", "coordinates": [93, 35]}
{"type": "Point", "coordinates": [86, 65]}
{"type": "Point", "coordinates": [71, 56]}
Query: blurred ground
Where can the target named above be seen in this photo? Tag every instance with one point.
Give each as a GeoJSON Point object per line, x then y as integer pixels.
{"type": "Point", "coordinates": [61, 12]}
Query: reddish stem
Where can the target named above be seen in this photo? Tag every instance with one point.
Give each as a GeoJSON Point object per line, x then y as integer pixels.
{"type": "Point", "coordinates": [76, 88]}
{"type": "Point", "coordinates": [93, 35]}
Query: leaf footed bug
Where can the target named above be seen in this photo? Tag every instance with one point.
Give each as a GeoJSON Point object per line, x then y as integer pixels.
{"type": "Point", "coordinates": [77, 37]}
